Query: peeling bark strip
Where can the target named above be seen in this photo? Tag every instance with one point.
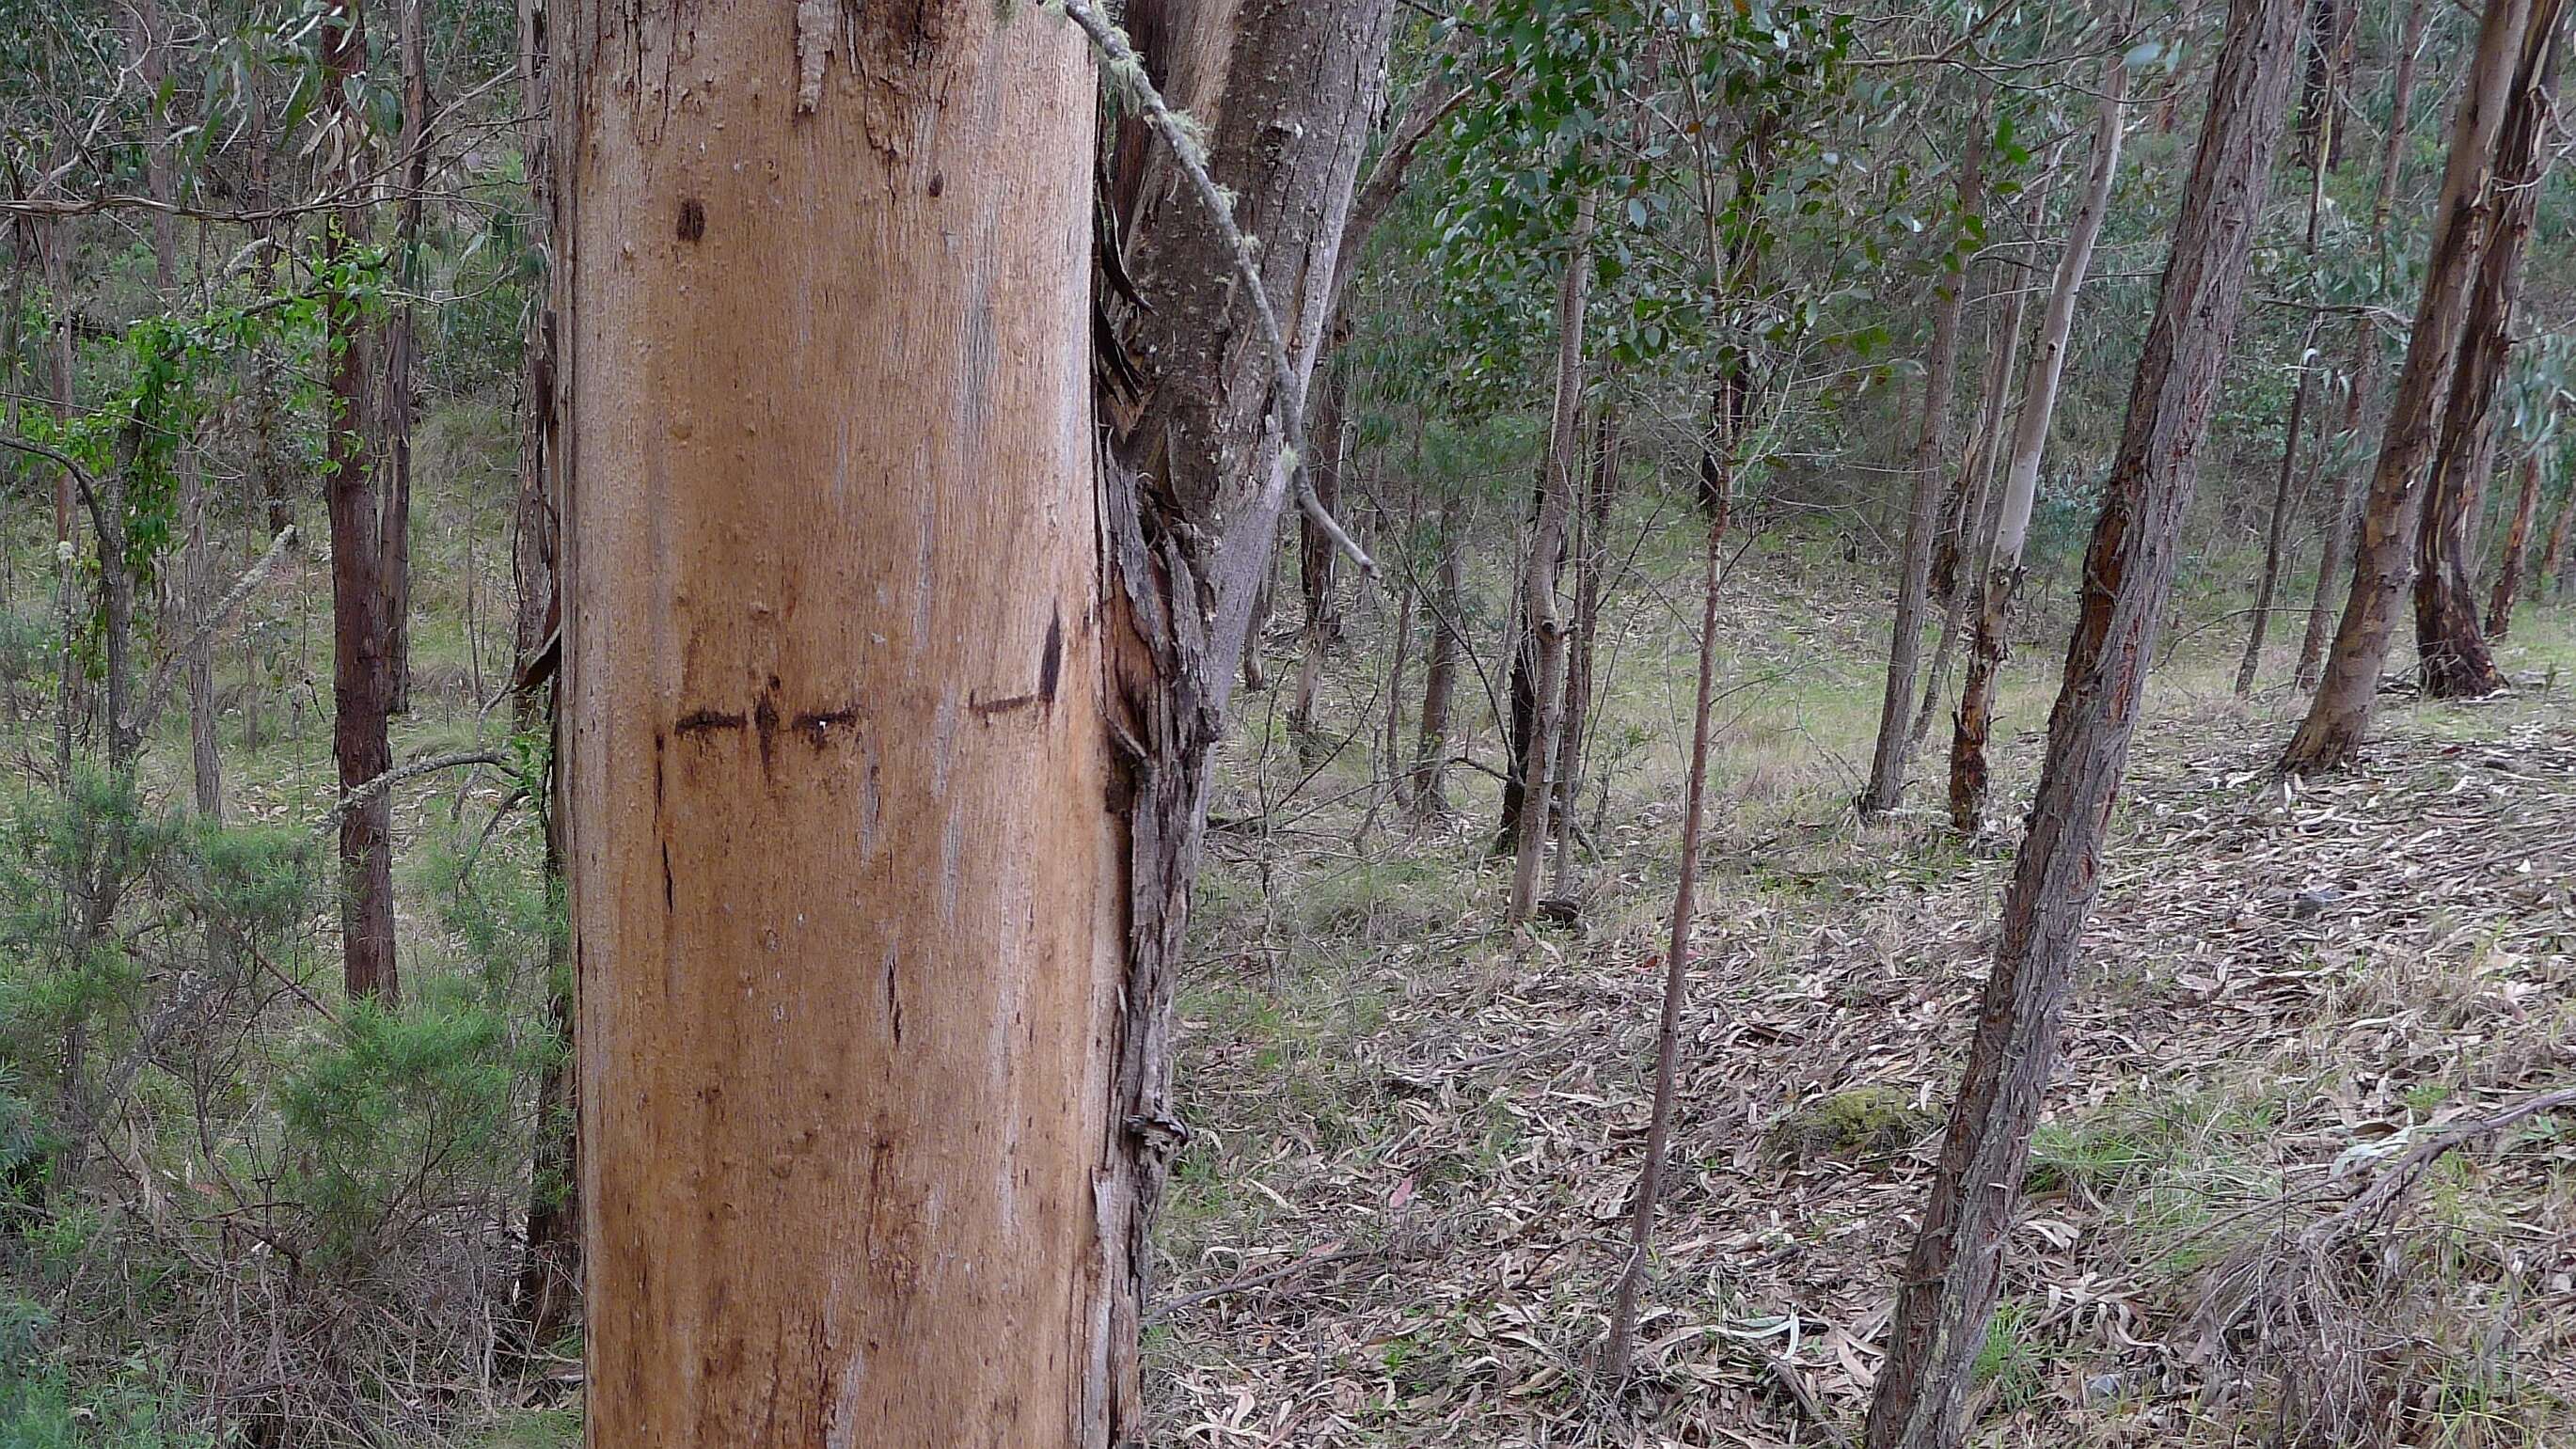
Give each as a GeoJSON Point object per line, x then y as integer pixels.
{"type": "Point", "coordinates": [1946, 1292]}
{"type": "Point", "coordinates": [851, 954]}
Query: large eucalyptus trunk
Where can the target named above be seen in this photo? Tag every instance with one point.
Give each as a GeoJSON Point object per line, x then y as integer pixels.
{"type": "Point", "coordinates": [880, 869]}
{"type": "Point", "coordinates": [1999, 576]}
{"type": "Point", "coordinates": [2383, 558]}
{"type": "Point", "coordinates": [845, 878]}
{"type": "Point", "coordinates": [1947, 1288]}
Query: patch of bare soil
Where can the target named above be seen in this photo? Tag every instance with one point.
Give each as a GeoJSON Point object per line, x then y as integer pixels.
{"type": "Point", "coordinates": [1405, 1231]}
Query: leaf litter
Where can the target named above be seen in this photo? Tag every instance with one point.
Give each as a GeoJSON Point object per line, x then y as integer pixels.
{"type": "Point", "coordinates": [1404, 1230]}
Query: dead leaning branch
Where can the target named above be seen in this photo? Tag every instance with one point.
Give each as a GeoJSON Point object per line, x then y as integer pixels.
{"type": "Point", "coordinates": [2270, 1275]}
{"type": "Point", "coordinates": [1179, 134]}
{"type": "Point", "coordinates": [360, 795]}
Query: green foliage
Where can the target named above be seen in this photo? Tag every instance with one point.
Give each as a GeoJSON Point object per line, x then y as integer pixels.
{"type": "Point", "coordinates": [43, 1405]}
{"type": "Point", "coordinates": [2011, 1361]}
{"type": "Point", "coordinates": [395, 1106]}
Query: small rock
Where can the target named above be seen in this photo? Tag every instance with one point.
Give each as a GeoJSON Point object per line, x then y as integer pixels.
{"type": "Point", "coordinates": [2102, 1389]}
{"type": "Point", "coordinates": [2307, 905]}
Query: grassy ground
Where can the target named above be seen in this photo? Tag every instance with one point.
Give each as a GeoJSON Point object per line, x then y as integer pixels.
{"type": "Point", "coordinates": [1417, 1135]}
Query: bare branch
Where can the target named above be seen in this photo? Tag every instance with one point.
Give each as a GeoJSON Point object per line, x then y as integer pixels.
{"type": "Point", "coordinates": [157, 693]}
{"type": "Point", "coordinates": [357, 798]}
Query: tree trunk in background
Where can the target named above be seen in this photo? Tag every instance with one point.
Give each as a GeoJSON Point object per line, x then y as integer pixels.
{"type": "Point", "coordinates": [63, 357]}
{"type": "Point", "coordinates": [1317, 561]}
{"type": "Point", "coordinates": [1429, 796]}
{"type": "Point", "coordinates": [361, 673]}
{"type": "Point", "coordinates": [1520, 690]}
{"type": "Point", "coordinates": [1999, 577]}
{"type": "Point", "coordinates": [549, 1286]}
{"type": "Point", "coordinates": [1922, 523]}
{"type": "Point", "coordinates": [401, 399]}
{"type": "Point", "coordinates": [2383, 558]}
{"type": "Point", "coordinates": [2323, 128]}
{"type": "Point", "coordinates": [194, 578]}
{"type": "Point", "coordinates": [1622, 1341]}
{"type": "Point", "coordinates": [2455, 660]}
{"type": "Point", "coordinates": [2276, 537]}
{"type": "Point", "coordinates": [2545, 579]}
{"type": "Point", "coordinates": [1591, 560]}
{"type": "Point", "coordinates": [1946, 1291]}
{"type": "Point", "coordinates": [1545, 627]}
{"type": "Point", "coordinates": [1969, 529]}
{"type": "Point", "coordinates": [2339, 520]}
{"type": "Point", "coordinates": [2517, 539]}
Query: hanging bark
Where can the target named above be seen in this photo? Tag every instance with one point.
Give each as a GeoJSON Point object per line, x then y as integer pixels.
{"type": "Point", "coordinates": [2383, 557]}
{"type": "Point", "coordinates": [2334, 554]}
{"type": "Point", "coordinates": [1931, 454]}
{"type": "Point", "coordinates": [1544, 625]}
{"type": "Point", "coordinates": [2455, 660]}
{"type": "Point", "coordinates": [1429, 796]}
{"type": "Point", "coordinates": [361, 667]}
{"type": "Point", "coordinates": [1946, 1290]}
{"type": "Point", "coordinates": [1999, 578]}
{"type": "Point", "coordinates": [1620, 1347]}
{"type": "Point", "coordinates": [2517, 539]}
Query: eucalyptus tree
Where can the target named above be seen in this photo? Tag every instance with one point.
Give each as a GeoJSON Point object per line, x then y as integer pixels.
{"type": "Point", "coordinates": [1999, 574]}
{"type": "Point", "coordinates": [2330, 735]}
{"type": "Point", "coordinates": [1948, 1286]}
{"type": "Point", "coordinates": [2454, 660]}
{"type": "Point", "coordinates": [2361, 372]}
{"type": "Point", "coordinates": [2321, 119]}
{"type": "Point", "coordinates": [1925, 466]}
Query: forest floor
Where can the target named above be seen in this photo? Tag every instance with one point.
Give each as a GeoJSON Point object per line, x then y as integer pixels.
{"type": "Point", "coordinates": [1417, 1136]}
